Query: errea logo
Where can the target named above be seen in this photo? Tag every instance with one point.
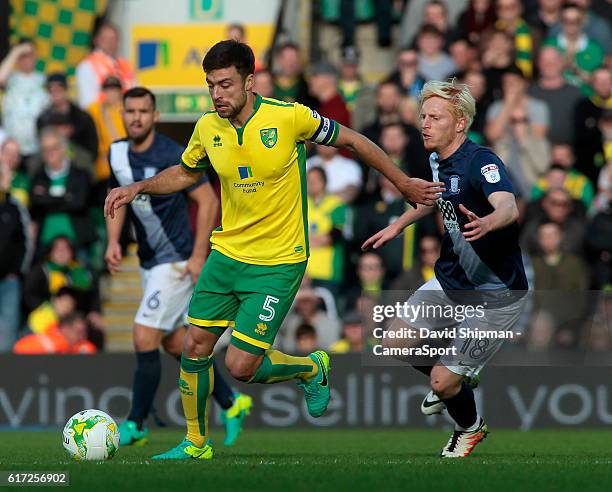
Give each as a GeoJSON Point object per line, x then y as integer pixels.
{"type": "Point", "coordinates": [184, 387]}
{"type": "Point", "coordinates": [217, 141]}
{"type": "Point", "coordinates": [261, 329]}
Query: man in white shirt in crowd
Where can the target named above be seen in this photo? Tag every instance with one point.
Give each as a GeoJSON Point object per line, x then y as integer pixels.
{"type": "Point", "coordinates": [344, 176]}
{"type": "Point", "coordinates": [25, 96]}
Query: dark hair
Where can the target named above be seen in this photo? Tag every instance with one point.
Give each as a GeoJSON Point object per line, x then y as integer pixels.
{"type": "Point", "coordinates": [56, 119]}
{"type": "Point", "coordinates": [70, 318]}
{"type": "Point", "coordinates": [287, 45]}
{"type": "Point", "coordinates": [66, 291]}
{"type": "Point", "coordinates": [59, 237]}
{"type": "Point", "coordinates": [57, 78]}
{"type": "Point", "coordinates": [139, 92]}
{"type": "Point", "coordinates": [571, 5]}
{"type": "Point", "coordinates": [305, 330]}
{"type": "Point", "coordinates": [429, 29]}
{"type": "Point", "coordinates": [230, 53]}
{"type": "Point", "coordinates": [556, 167]}
{"type": "Point", "coordinates": [105, 25]}
{"type": "Point", "coordinates": [111, 82]}
{"type": "Point", "coordinates": [438, 3]}
{"type": "Point", "coordinates": [321, 171]}
{"type": "Point", "coordinates": [394, 124]}
{"type": "Point", "coordinates": [514, 70]}
{"type": "Point", "coordinates": [461, 39]}
{"type": "Point", "coordinates": [390, 83]}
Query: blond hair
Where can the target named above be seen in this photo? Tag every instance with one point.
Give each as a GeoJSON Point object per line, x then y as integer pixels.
{"type": "Point", "coordinates": [458, 95]}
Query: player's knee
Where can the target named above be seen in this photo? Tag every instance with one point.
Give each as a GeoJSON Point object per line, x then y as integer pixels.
{"type": "Point", "coordinates": [189, 345]}
{"type": "Point", "coordinates": [146, 339]}
{"type": "Point", "coordinates": [240, 364]}
{"type": "Point", "coordinates": [198, 343]}
{"type": "Point", "coordinates": [173, 342]}
{"type": "Point", "coordinates": [241, 370]}
{"type": "Point", "coordinates": [172, 346]}
{"type": "Point", "coordinates": [445, 388]}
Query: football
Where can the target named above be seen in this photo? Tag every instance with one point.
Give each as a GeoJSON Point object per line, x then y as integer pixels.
{"type": "Point", "coordinates": [91, 435]}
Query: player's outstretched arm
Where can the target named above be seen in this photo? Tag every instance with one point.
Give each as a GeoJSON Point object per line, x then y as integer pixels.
{"type": "Point", "coordinates": [414, 190]}
{"type": "Point", "coordinates": [170, 180]}
{"type": "Point", "coordinates": [505, 213]}
{"type": "Point", "coordinates": [395, 229]}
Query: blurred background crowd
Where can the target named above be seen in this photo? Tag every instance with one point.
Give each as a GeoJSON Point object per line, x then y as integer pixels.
{"type": "Point", "coordinates": [540, 71]}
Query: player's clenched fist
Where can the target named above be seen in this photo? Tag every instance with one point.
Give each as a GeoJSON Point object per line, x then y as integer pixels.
{"type": "Point", "coordinates": [118, 197]}
{"type": "Point", "coordinates": [113, 257]}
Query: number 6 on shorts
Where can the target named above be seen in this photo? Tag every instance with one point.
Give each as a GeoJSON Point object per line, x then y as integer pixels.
{"type": "Point", "coordinates": [268, 308]}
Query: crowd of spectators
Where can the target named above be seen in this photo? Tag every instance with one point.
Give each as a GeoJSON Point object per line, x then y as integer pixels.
{"type": "Point", "coordinates": [540, 72]}
{"type": "Point", "coordinates": [53, 180]}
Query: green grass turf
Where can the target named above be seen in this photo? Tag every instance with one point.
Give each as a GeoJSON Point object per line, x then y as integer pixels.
{"type": "Point", "coordinates": [318, 460]}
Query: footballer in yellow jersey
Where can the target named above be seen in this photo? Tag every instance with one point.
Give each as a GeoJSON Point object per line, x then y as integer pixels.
{"type": "Point", "coordinates": [262, 170]}
{"type": "Point", "coordinates": [256, 146]}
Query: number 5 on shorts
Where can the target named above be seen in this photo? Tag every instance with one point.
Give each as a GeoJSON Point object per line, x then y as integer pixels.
{"type": "Point", "coordinates": [268, 308]}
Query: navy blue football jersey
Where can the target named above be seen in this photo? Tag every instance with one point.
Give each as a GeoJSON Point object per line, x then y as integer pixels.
{"type": "Point", "coordinates": [492, 263]}
{"type": "Point", "coordinates": [162, 224]}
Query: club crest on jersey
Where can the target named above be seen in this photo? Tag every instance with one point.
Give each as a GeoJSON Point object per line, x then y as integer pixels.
{"type": "Point", "coordinates": [269, 136]}
{"type": "Point", "coordinates": [491, 173]}
{"type": "Point", "coordinates": [454, 184]}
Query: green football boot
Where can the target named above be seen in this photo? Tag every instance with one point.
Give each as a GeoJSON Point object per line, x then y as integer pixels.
{"type": "Point", "coordinates": [316, 390]}
{"type": "Point", "coordinates": [130, 435]}
{"type": "Point", "coordinates": [233, 417]}
{"type": "Point", "coordinates": [186, 450]}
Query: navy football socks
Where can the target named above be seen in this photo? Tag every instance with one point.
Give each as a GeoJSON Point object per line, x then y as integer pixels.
{"type": "Point", "coordinates": [146, 381]}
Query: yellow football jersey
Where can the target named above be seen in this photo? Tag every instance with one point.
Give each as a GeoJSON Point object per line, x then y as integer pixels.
{"type": "Point", "coordinates": [262, 169]}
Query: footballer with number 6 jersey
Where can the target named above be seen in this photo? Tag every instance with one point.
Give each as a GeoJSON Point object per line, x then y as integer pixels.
{"type": "Point", "coordinates": [256, 145]}
{"type": "Point", "coordinates": [480, 262]}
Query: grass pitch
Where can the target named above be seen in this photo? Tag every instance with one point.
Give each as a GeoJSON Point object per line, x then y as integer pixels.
{"type": "Point", "coordinates": [339, 460]}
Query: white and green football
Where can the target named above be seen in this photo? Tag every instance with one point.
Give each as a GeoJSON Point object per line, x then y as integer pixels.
{"type": "Point", "coordinates": [91, 435]}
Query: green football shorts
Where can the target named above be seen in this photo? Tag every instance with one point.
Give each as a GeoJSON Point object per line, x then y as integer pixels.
{"type": "Point", "coordinates": [251, 299]}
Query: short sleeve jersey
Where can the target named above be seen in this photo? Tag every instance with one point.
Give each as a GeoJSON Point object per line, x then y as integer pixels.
{"type": "Point", "coordinates": [493, 262]}
{"type": "Point", "coordinates": [161, 221]}
{"type": "Point", "coordinates": [262, 170]}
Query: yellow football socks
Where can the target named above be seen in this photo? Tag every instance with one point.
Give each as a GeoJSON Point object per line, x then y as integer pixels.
{"type": "Point", "coordinates": [276, 367]}
{"type": "Point", "coordinates": [196, 382]}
